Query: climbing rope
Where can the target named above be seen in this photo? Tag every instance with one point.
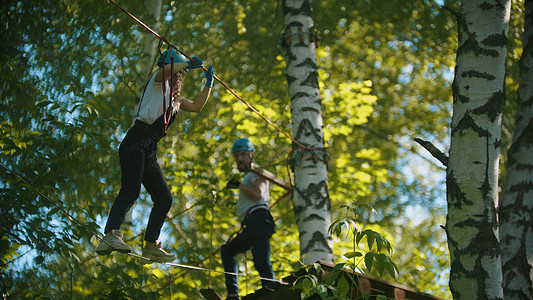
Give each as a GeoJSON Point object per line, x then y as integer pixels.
{"type": "Point", "coordinates": [99, 236]}
{"type": "Point", "coordinates": [167, 114]}
{"type": "Point", "coordinates": [215, 77]}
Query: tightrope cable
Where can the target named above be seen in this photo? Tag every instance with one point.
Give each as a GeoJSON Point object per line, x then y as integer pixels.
{"type": "Point", "coordinates": [99, 236]}
{"type": "Point", "coordinates": [214, 76]}
{"type": "Point", "coordinates": [72, 218]}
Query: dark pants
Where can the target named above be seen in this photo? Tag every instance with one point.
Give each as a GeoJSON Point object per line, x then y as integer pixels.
{"type": "Point", "coordinates": [138, 166]}
{"type": "Point", "coordinates": [259, 227]}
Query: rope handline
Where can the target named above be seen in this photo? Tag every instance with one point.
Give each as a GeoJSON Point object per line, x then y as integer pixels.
{"type": "Point", "coordinates": [287, 163]}
{"type": "Point", "coordinates": [143, 25]}
{"type": "Point", "coordinates": [279, 199]}
{"type": "Point", "coordinates": [163, 85]}
{"type": "Point", "coordinates": [99, 236]}
{"type": "Point", "coordinates": [167, 115]}
{"type": "Point", "coordinates": [205, 269]}
{"type": "Point", "coordinates": [214, 76]}
{"type": "Point", "coordinates": [72, 218]}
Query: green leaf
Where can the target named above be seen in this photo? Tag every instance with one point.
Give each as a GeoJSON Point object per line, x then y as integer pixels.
{"type": "Point", "coordinates": [369, 260]}
{"type": "Point", "coordinates": [381, 263]}
{"type": "Point", "coordinates": [359, 236]}
{"type": "Point", "coordinates": [353, 254]}
{"type": "Point", "coordinates": [370, 236]}
{"type": "Point", "coordinates": [307, 284]}
{"type": "Point", "coordinates": [343, 286]}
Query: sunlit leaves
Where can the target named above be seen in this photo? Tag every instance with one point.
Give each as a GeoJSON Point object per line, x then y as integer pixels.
{"type": "Point", "coordinates": [379, 249]}
{"type": "Point", "coordinates": [348, 105]}
{"type": "Point", "coordinates": [73, 69]}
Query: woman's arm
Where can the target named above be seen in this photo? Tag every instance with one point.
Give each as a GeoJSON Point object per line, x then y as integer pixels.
{"type": "Point", "coordinates": [198, 104]}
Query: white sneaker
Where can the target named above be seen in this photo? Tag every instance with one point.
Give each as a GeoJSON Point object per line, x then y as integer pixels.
{"type": "Point", "coordinates": [156, 255]}
{"type": "Point", "coordinates": [113, 241]}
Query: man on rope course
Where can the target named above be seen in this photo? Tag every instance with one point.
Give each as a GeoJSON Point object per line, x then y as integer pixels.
{"type": "Point", "coordinates": [159, 105]}
{"type": "Point", "coordinates": [253, 213]}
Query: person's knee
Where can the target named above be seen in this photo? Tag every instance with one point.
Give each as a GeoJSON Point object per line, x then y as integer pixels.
{"type": "Point", "coordinates": [224, 251]}
{"type": "Point", "coordinates": [127, 196]}
{"type": "Point", "coordinates": [227, 253]}
{"type": "Point", "coordinates": [163, 201]}
{"type": "Point", "coordinates": [167, 202]}
{"type": "Point", "coordinates": [263, 264]}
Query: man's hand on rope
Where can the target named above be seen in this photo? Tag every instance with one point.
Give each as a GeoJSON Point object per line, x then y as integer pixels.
{"type": "Point", "coordinates": [233, 183]}
{"type": "Point", "coordinates": [209, 74]}
{"type": "Point", "coordinates": [195, 63]}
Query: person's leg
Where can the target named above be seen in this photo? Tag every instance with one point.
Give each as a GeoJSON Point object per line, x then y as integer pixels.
{"type": "Point", "coordinates": [261, 255]}
{"type": "Point", "coordinates": [260, 228]}
{"type": "Point", "coordinates": [132, 168]}
{"type": "Point", "coordinates": [228, 252]}
{"type": "Point", "coordinates": [260, 247]}
{"type": "Point", "coordinates": [155, 183]}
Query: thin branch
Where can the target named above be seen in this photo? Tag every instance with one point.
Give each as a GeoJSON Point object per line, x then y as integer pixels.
{"type": "Point", "coordinates": [434, 151]}
{"type": "Point", "coordinates": [451, 11]}
{"type": "Point", "coordinates": [388, 139]}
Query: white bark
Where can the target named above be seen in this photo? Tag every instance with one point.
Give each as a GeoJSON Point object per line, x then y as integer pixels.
{"type": "Point", "coordinates": [310, 197]}
{"type": "Point", "coordinates": [472, 174]}
{"type": "Point", "coordinates": [147, 64]}
{"type": "Point", "coordinates": [149, 53]}
{"type": "Point", "coordinates": [516, 213]}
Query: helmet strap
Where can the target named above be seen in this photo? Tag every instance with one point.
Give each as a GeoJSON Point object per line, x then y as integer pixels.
{"type": "Point", "coordinates": [251, 156]}
{"type": "Point", "coordinates": [159, 47]}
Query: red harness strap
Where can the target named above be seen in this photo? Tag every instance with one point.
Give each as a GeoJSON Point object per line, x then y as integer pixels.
{"type": "Point", "coordinates": [168, 113]}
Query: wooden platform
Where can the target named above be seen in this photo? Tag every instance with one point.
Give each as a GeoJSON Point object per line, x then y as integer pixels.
{"type": "Point", "coordinates": [370, 284]}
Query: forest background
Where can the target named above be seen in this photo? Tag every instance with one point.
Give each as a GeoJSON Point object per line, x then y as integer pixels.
{"type": "Point", "coordinates": [71, 75]}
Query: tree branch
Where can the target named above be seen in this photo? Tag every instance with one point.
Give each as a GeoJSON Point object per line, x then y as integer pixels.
{"type": "Point", "coordinates": [434, 151]}
{"type": "Point", "coordinates": [451, 11]}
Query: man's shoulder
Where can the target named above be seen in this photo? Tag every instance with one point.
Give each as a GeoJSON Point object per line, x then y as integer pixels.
{"type": "Point", "coordinates": [250, 176]}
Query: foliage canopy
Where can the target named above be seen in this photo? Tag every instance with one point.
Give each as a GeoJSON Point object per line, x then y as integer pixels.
{"type": "Point", "coordinates": [69, 76]}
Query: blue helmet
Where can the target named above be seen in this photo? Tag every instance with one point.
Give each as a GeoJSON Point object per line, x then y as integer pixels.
{"type": "Point", "coordinates": [166, 56]}
{"type": "Point", "coordinates": [242, 144]}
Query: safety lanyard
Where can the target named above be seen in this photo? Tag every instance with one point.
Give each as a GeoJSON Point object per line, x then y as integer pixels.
{"type": "Point", "coordinates": [168, 113]}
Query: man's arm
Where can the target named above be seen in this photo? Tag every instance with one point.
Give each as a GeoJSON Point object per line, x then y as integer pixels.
{"type": "Point", "coordinates": [257, 190]}
{"type": "Point", "coordinates": [269, 176]}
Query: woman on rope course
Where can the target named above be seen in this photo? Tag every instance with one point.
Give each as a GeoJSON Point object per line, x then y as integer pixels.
{"type": "Point", "coordinates": [160, 102]}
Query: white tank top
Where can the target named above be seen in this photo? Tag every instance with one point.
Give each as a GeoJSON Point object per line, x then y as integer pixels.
{"type": "Point", "coordinates": [151, 105]}
{"type": "Point", "coordinates": [244, 203]}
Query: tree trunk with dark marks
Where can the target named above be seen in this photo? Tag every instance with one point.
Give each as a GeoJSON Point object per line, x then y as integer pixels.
{"type": "Point", "coordinates": [310, 197]}
{"type": "Point", "coordinates": [147, 64]}
{"type": "Point", "coordinates": [516, 213]}
{"type": "Point", "coordinates": [472, 174]}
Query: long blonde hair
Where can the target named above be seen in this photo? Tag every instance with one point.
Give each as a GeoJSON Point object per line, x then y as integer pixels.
{"type": "Point", "coordinates": [176, 90]}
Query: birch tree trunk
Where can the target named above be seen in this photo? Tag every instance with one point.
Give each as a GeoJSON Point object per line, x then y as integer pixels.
{"type": "Point", "coordinates": [472, 174]}
{"type": "Point", "coordinates": [146, 64]}
{"type": "Point", "coordinates": [310, 197]}
{"type": "Point", "coordinates": [149, 54]}
{"type": "Point", "coordinates": [516, 213]}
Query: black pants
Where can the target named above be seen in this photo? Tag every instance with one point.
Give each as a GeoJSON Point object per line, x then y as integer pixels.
{"type": "Point", "coordinates": [139, 166]}
{"type": "Point", "coordinates": [259, 227]}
